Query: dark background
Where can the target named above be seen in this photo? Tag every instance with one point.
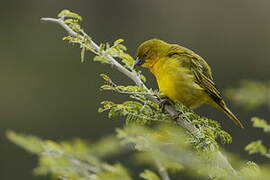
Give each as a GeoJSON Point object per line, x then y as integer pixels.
{"type": "Point", "coordinates": [45, 89]}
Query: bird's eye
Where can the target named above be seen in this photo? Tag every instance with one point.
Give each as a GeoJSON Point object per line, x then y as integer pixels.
{"type": "Point", "coordinates": [144, 55]}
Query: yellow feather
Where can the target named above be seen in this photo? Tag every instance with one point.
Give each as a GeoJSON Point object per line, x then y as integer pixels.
{"type": "Point", "coordinates": [177, 83]}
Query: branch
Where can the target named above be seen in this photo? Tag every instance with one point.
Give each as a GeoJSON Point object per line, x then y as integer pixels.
{"type": "Point", "coordinates": [220, 160]}
{"type": "Point", "coordinates": [61, 22]}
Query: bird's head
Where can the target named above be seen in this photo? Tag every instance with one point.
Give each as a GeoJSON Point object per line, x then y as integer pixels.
{"type": "Point", "coordinates": [150, 51]}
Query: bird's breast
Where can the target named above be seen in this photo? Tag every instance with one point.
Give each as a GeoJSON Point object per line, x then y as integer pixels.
{"type": "Point", "coordinates": [177, 83]}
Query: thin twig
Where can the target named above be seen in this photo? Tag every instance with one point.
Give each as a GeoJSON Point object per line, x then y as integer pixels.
{"type": "Point", "coordinates": [220, 160]}
{"type": "Point", "coordinates": [61, 22]}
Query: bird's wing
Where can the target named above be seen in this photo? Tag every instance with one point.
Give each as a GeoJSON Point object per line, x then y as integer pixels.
{"type": "Point", "coordinates": [203, 78]}
{"type": "Point", "coordinates": [200, 69]}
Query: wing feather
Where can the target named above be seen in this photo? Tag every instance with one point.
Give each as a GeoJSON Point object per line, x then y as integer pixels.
{"type": "Point", "coordinates": [200, 69]}
{"type": "Point", "coordinates": [202, 76]}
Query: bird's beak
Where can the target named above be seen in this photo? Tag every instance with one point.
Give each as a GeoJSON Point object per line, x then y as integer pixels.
{"type": "Point", "coordinates": [138, 62]}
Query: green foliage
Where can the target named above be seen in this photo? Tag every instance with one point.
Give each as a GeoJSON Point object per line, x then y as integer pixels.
{"type": "Point", "coordinates": [68, 14]}
{"type": "Point", "coordinates": [115, 50]}
{"type": "Point", "coordinates": [164, 147]}
{"type": "Point", "coordinates": [77, 159]}
{"type": "Point", "coordinates": [250, 94]}
{"type": "Point", "coordinates": [148, 158]}
{"type": "Point", "coordinates": [257, 146]}
{"type": "Point", "coordinates": [261, 123]}
{"type": "Point", "coordinates": [155, 145]}
{"type": "Point", "coordinates": [32, 144]}
{"type": "Point", "coordinates": [140, 110]}
{"type": "Point", "coordinates": [252, 171]}
{"type": "Point", "coordinates": [105, 53]}
{"type": "Point", "coordinates": [149, 175]}
{"type": "Point", "coordinates": [253, 94]}
{"type": "Point", "coordinates": [210, 130]}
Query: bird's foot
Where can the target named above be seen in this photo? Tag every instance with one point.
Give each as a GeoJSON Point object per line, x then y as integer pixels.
{"type": "Point", "coordinates": [164, 101]}
{"type": "Point", "coordinates": [179, 116]}
{"type": "Point", "coordinates": [176, 116]}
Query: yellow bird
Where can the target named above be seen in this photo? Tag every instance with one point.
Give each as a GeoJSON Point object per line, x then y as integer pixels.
{"type": "Point", "coordinates": [182, 75]}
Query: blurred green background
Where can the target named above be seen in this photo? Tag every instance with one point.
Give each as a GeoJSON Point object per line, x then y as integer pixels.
{"type": "Point", "coordinates": [47, 91]}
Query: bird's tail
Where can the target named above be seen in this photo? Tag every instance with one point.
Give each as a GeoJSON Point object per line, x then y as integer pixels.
{"type": "Point", "coordinates": [229, 113]}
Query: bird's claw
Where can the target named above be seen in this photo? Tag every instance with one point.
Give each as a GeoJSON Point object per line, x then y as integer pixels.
{"type": "Point", "coordinates": [163, 103]}
{"type": "Point", "coordinates": [176, 116]}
